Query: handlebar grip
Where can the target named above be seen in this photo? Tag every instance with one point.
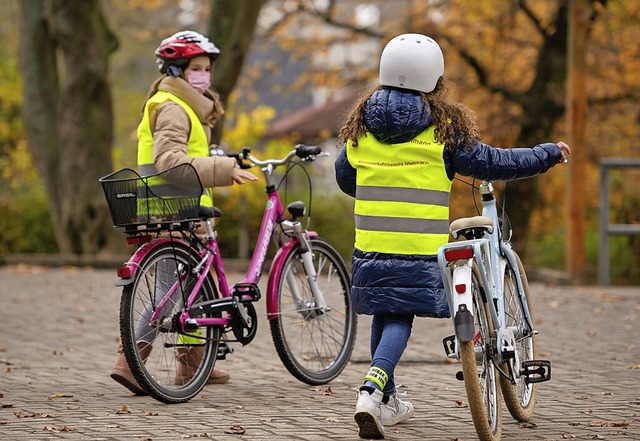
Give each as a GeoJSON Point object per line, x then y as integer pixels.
{"type": "Point", "coordinates": [304, 151]}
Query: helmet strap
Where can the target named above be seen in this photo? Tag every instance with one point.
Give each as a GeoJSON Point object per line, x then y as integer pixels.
{"type": "Point", "coordinates": [173, 71]}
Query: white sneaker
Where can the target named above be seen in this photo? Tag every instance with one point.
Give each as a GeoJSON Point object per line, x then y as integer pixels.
{"type": "Point", "coordinates": [395, 410]}
{"type": "Point", "coordinates": [367, 414]}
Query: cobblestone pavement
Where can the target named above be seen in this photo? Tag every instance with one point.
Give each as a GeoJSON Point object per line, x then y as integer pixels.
{"type": "Point", "coordinates": [59, 336]}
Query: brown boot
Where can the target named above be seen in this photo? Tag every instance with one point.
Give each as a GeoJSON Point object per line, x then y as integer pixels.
{"type": "Point", "coordinates": [121, 372]}
{"type": "Point", "coordinates": [188, 359]}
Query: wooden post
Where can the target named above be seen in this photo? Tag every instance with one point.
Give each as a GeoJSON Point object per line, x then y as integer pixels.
{"type": "Point", "coordinates": [577, 118]}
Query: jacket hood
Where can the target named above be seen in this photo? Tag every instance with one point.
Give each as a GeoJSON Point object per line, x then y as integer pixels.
{"type": "Point", "coordinates": [394, 116]}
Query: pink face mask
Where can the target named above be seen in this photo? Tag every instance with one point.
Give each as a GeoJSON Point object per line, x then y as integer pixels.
{"type": "Point", "coordinates": [199, 80]}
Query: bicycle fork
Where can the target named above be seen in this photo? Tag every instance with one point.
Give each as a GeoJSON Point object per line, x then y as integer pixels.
{"type": "Point", "coordinates": [317, 306]}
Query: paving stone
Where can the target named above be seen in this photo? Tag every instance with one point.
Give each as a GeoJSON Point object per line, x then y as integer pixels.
{"type": "Point", "coordinates": [59, 332]}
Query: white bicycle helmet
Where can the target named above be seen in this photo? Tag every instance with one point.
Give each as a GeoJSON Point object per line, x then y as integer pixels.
{"type": "Point", "coordinates": [411, 61]}
{"type": "Point", "coordinates": [178, 49]}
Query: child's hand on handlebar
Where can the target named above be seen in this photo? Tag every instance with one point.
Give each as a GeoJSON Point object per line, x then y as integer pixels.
{"type": "Point", "coordinates": [240, 175]}
{"type": "Point", "coordinates": [565, 150]}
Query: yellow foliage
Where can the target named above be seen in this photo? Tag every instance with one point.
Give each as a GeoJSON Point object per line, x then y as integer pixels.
{"type": "Point", "coordinates": [17, 169]}
{"type": "Point", "coordinates": [248, 127]}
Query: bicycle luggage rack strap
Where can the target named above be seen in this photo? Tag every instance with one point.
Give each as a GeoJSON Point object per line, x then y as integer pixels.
{"type": "Point", "coordinates": [135, 200]}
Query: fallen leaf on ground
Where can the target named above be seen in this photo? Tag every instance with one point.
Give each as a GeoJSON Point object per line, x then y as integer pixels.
{"type": "Point", "coordinates": [123, 410]}
{"type": "Point", "coordinates": [59, 395]}
{"type": "Point", "coordinates": [58, 429]}
{"type": "Point", "coordinates": [236, 429]}
{"type": "Point", "coordinates": [624, 423]}
{"type": "Point", "coordinates": [459, 403]}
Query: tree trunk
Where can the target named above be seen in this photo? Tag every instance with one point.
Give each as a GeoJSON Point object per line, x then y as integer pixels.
{"type": "Point", "coordinates": [543, 105]}
{"type": "Point", "coordinates": [65, 46]}
{"type": "Point", "coordinates": [231, 28]}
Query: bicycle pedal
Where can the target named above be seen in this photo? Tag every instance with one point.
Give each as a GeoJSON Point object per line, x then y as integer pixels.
{"type": "Point", "coordinates": [190, 325]}
{"type": "Point", "coordinates": [247, 292]}
{"type": "Point", "coordinates": [449, 344]}
{"type": "Point", "coordinates": [223, 349]}
{"type": "Point", "coordinates": [536, 371]}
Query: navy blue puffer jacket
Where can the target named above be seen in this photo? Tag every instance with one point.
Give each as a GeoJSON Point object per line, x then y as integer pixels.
{"type": "Point", "coordinates": [410, 284]}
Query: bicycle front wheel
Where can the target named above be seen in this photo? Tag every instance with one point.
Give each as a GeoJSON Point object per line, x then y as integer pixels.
{"type": "Point", "coordinates": [170, 366]}
{"type": "Point", "coordinates": [480, 376]}
{"type": "Point", "coordinates": [314, 345]}
{"type": "Point", "coordinates": [520, 397]}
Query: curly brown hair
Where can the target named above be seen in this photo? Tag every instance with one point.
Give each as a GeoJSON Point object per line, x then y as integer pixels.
{"type": "Point", "coordinates": [451, 119]}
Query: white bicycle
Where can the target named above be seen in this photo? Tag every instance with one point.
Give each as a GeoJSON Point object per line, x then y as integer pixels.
{"type": "Point", "coordinates": [490, 306]}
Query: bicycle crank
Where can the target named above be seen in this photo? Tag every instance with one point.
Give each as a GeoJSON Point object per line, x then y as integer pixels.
{"type": "Point", "coordinates": [244, 324]}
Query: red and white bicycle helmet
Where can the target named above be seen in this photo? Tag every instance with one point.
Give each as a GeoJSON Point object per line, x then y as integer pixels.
{"type": "Point", "coordinates": [178, 49]}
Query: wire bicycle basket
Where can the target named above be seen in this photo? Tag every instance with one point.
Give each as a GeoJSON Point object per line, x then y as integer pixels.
{"type": "Point", "coordinates": [151, 200]}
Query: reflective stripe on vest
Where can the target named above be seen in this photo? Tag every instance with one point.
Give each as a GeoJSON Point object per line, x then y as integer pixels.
{"type": "Point", "coordinates": [197, 145]}
{"type": "Point", "coordinates": [402, 195]}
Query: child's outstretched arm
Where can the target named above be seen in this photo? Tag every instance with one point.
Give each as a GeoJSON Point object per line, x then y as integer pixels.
{"type": "Point", "coordinates": [485, 162]}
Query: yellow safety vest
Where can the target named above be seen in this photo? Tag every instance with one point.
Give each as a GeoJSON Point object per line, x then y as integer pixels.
{"type": "Point", "coordinates": [402, 195]}
{"type": "Point", "coordinates": [197, 145]}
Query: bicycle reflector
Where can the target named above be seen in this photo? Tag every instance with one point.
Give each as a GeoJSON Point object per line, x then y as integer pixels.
{"type": "Point", "coordinates": [138, 240]}
{"type": "Point", "coordinates": [458, 254]}
{"type": "Point", "coordinates": [124, 272]}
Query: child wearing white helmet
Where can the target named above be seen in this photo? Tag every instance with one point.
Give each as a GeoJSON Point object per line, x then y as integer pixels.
{"type": "Point", "coordinates": [401, 147]}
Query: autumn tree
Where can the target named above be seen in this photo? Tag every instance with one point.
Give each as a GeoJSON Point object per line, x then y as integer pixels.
{"type": "Point", "coordinates": [65, 49]}
{"type": "Point", "coordinates": [232, 25]}
{"type": "Point", "coordinates": [67, 112]}
{"type": "Point", "coordinates": [507, 60]}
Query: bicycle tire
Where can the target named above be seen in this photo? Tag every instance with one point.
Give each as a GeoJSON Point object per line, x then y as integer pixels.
{"type": "Point", "coordinates": [479, 373]}
{"type": "Point", "coordinates": [315, 347]}
{"type": "Point", "coordinates": [156, 372]}
{"type": "Point", "coordinates": [520, 398]}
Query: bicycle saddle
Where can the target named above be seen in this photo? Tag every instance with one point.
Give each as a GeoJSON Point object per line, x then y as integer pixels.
{"type": "Point", "coordinates": [471, 227]}
{"type": "Point", "coordinates": [209, 212]}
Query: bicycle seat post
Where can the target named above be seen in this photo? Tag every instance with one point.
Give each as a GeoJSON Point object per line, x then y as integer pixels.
{"type": "Point", "coordinates": [210, 231]}
{"type": "Point", "coordinates": [486, 190]}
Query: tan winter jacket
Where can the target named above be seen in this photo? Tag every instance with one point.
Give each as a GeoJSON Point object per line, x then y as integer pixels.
{"type": "Point", "coordinates": [171, 127]}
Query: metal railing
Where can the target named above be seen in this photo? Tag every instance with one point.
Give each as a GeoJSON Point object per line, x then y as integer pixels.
{"type": "Point", "coordinates": [607, 229]}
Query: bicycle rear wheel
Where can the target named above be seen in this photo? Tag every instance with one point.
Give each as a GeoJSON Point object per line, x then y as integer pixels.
{"type": "Point", "coordinates": [169, 366]}
{"type": "Point", "coordinates": [520, 397]}
{"type": "Point", "coordinates": [480, 376]}
{"type": "Point", "coordinates": [314, 345]}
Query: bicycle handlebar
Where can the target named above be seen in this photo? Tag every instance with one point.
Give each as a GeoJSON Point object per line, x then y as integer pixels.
{"type": "Point", "coordinates": [302, 151]}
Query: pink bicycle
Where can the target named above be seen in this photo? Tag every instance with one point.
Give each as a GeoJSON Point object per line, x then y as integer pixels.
{"type": "Point", "coordinates": [177, 306]}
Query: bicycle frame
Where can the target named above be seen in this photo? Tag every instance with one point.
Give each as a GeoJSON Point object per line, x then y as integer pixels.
{"type": "Point", "coordinates": [490, 254]}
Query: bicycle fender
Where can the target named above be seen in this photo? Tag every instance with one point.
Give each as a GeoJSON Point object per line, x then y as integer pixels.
{"type": "Point", "coordinates": [277, 266]}
{"type": "Point", "coordinates": [138, 256]}
{"type": "Point", "coordinates": [463, 303]}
